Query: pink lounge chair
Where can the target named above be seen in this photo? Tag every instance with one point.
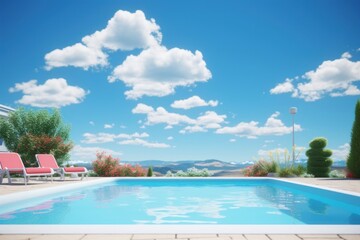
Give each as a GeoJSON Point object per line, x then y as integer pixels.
{"type": "Point", "coordinates": [48, 160]}
{"type": "Point", "coordinates": [11, 163]}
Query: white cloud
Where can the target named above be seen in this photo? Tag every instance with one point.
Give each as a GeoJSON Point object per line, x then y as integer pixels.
{"type": "Point", "coordinates": [193, 129]}
{"type": "Point", "coordinates": [124, 31]}
{"type": "Point", "coordinates": [342, 152]}
{"type": "Point", "coordinates": [335, 78]}
{"type": "Point", "coordinates": [194, 101]}
{"type": "Point", "coordinates": [54, 92]}
{"type": "Point", "coordinates": [251, 130]}
{"type": "Point", "coordinates": [160, 115]}
{"type": "Point", "coordinates": [107, 125]}
{"type": "Point", "coordinates": [77, 55]}
{"type": "Point", "coordinates": [346, 55]}
{"type": "Point", "coordinates": [232, 140]}
{"type": "Point", "coordinates": [209, 120]}
{"type": "Point", "coordinates": [142, 142]}
{"type": "Point", "coordinates": [91, 138]}
{"type": "Point", "coordinates": [88, 154]}
{"type": "Point", "coordinates": [170, 138]}
{"type": "Point", "coordinates": [92, 123]}
{"type": "Point", "coordinates": [157, 71]}
{"type": "Point", "coordinates": [285, 87]}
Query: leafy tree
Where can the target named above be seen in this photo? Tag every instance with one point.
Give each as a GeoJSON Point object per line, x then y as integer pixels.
{"type": "Point", "coordinates": [353, 161]}
{"type": "Point", "coordinates": [30, 132]}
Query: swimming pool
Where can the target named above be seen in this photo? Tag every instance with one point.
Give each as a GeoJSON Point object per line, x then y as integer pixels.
{"type": "Point", "coordinates": [227, 203]}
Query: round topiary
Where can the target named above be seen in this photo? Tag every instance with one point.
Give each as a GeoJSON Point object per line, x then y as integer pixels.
{"type": "Point", "coordinates": [319, 163]}
{"type": "Point", "coordinates": [318, 143]}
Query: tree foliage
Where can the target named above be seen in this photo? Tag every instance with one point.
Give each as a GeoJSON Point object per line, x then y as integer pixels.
{"type": "Point", "coordinates": [353, 161]}
{"type": "Point", "coordinates": [30, 132]}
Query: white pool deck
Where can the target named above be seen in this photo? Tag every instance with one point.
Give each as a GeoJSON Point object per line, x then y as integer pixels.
{"type": "Point", "coordinates": [190, 232]}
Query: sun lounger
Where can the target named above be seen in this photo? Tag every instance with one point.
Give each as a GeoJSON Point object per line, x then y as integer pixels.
{"type": "Point", "coordinates": [48, 160]}
{"type": "Point", "coordinates": [11, 163]}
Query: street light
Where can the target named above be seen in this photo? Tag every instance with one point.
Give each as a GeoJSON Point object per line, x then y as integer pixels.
{"type": "Point", "coordinates": [293, 111]}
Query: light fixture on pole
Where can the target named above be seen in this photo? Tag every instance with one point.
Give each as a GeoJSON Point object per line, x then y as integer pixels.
{"type": "Point", "coordinates": [293, 111]}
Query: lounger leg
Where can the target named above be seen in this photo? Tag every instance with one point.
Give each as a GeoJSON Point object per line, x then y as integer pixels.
{"type": "Point", "coordinates": [82, 176]}
{"type": "Point", "coordinates": [8, 175]}
{"type": "Point", "coordinates": [1, 176]}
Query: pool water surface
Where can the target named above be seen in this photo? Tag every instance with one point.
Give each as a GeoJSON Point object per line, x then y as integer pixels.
{"type": "Point", "coordinates": [187, 201]}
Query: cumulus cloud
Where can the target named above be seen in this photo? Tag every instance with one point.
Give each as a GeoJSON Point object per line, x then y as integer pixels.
{"type": "Point", "coordinates": [346, 55]}
{"type": "Point", "coordinates": [285, 87]}
{"type": "Point", "coordinates": [251, 130]}
{"type": "Point", "coordinates": [88, 154]}
{"type": "Point", "coordinates": [91, 138]}
{"type": "Point", "coordinates": [107, 125]}
{"type": "Point", "coordinates": [124, 31]}
{"type": "Point", "coordinates": [157, 71]}
{"type": "Point", "coordinates": [342, 152]}
{"type": "Point", "coordinates": [54, 92]}
{"type": "Point", "coordinates": [335, 78]}
{"type": "Point", "coordinates": [192, 102]}
{"type": "Point", "coordinates": [209, 120]}
{"type": "Point", "coordinates": [77, 55]}
{"type": "Point", "coordinates": [193, 129]}
{"type": "Point", "coordinates": [232, 140]}
{"type": "Point", "coordinates": [160, 115]}
{"type": "Point", "coordinates": [142, 142]}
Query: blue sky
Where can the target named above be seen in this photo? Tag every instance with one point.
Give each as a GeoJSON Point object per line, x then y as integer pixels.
{"type": "Point", "coordinates": [179, 80]}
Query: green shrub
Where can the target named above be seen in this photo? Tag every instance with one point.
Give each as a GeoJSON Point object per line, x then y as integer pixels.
{"type": "Point", "coordinates": [30, 132]}
{"type": "Point", "coordinates": [286, 172]}
{"type": "Point", "coordinates": [319, 163]}
{"type": "Point", "coordinates": [150, 172]}
{"type": "Point", "coordinates": [353, 160]}
{"type": "Point", "coordinates": [107, 166]}
{"type": "Point", "coordinates": [256, 170]}
{"type": "Point", "coordinates": [292, 171]}
{"type": "Point", "coordinates": [191, 172]}
{"type": "Point", "coordinates": [336, 174]}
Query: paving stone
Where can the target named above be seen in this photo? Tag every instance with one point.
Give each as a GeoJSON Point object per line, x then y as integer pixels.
{"type": "Point", "coordinates": [59, 237]}
{"type": "Point", "coordinates": [217, 238]}
{"type": "Point", "coordinates": [233, 236]}
{"type": "Point", "coordinates": [256, 237]}
{"type": "Point", "coordinates": [318, 236]}
{"type": "Point", "coordinates": [350, 237]}
{"type": "Point", "coordinates": [152, 236]}
{"type": "Point", "coordinates": [107, 237]}
{"type": "Point", "coordinates": [195, 236]}
{"type": "Point", "coordinates": [17, 237]}
{"type": "Point", "coordinates": [283, 237]}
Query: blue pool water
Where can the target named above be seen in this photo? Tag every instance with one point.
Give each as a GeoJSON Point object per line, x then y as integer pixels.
{"type": "Point", "coordinates": [188, 201]}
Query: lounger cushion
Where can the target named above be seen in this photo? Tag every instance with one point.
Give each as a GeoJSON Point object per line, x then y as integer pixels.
{"type": "Point", "coordinates": [38, 170]}
{"type": "Point", "coordinates": [75, 169]}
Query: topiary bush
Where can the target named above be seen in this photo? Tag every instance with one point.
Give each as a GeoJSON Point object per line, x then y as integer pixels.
{"type": "Point", "coordinates": [150, 172]}
{"type": "Point", "coordinates": [319, 161]}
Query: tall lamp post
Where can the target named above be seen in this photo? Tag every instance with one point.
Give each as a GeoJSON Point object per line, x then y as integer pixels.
{"type": "Point", "coordinates": [293, 111]}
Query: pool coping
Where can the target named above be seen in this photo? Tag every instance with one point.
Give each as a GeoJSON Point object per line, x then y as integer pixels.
{"type": "Point", "coordinates": [167, 228]}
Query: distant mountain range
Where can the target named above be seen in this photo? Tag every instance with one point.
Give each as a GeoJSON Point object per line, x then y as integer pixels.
{"type": "Point", "coordinates": [163, 167]}
{"type": "Point", "coordinates": [211, 164]}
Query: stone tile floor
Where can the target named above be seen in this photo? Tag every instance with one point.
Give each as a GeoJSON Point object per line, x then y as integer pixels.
{"type": "Point", "coordinates": [347, 185]}
{"type": "Point", "coordinates": [181, 237]}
